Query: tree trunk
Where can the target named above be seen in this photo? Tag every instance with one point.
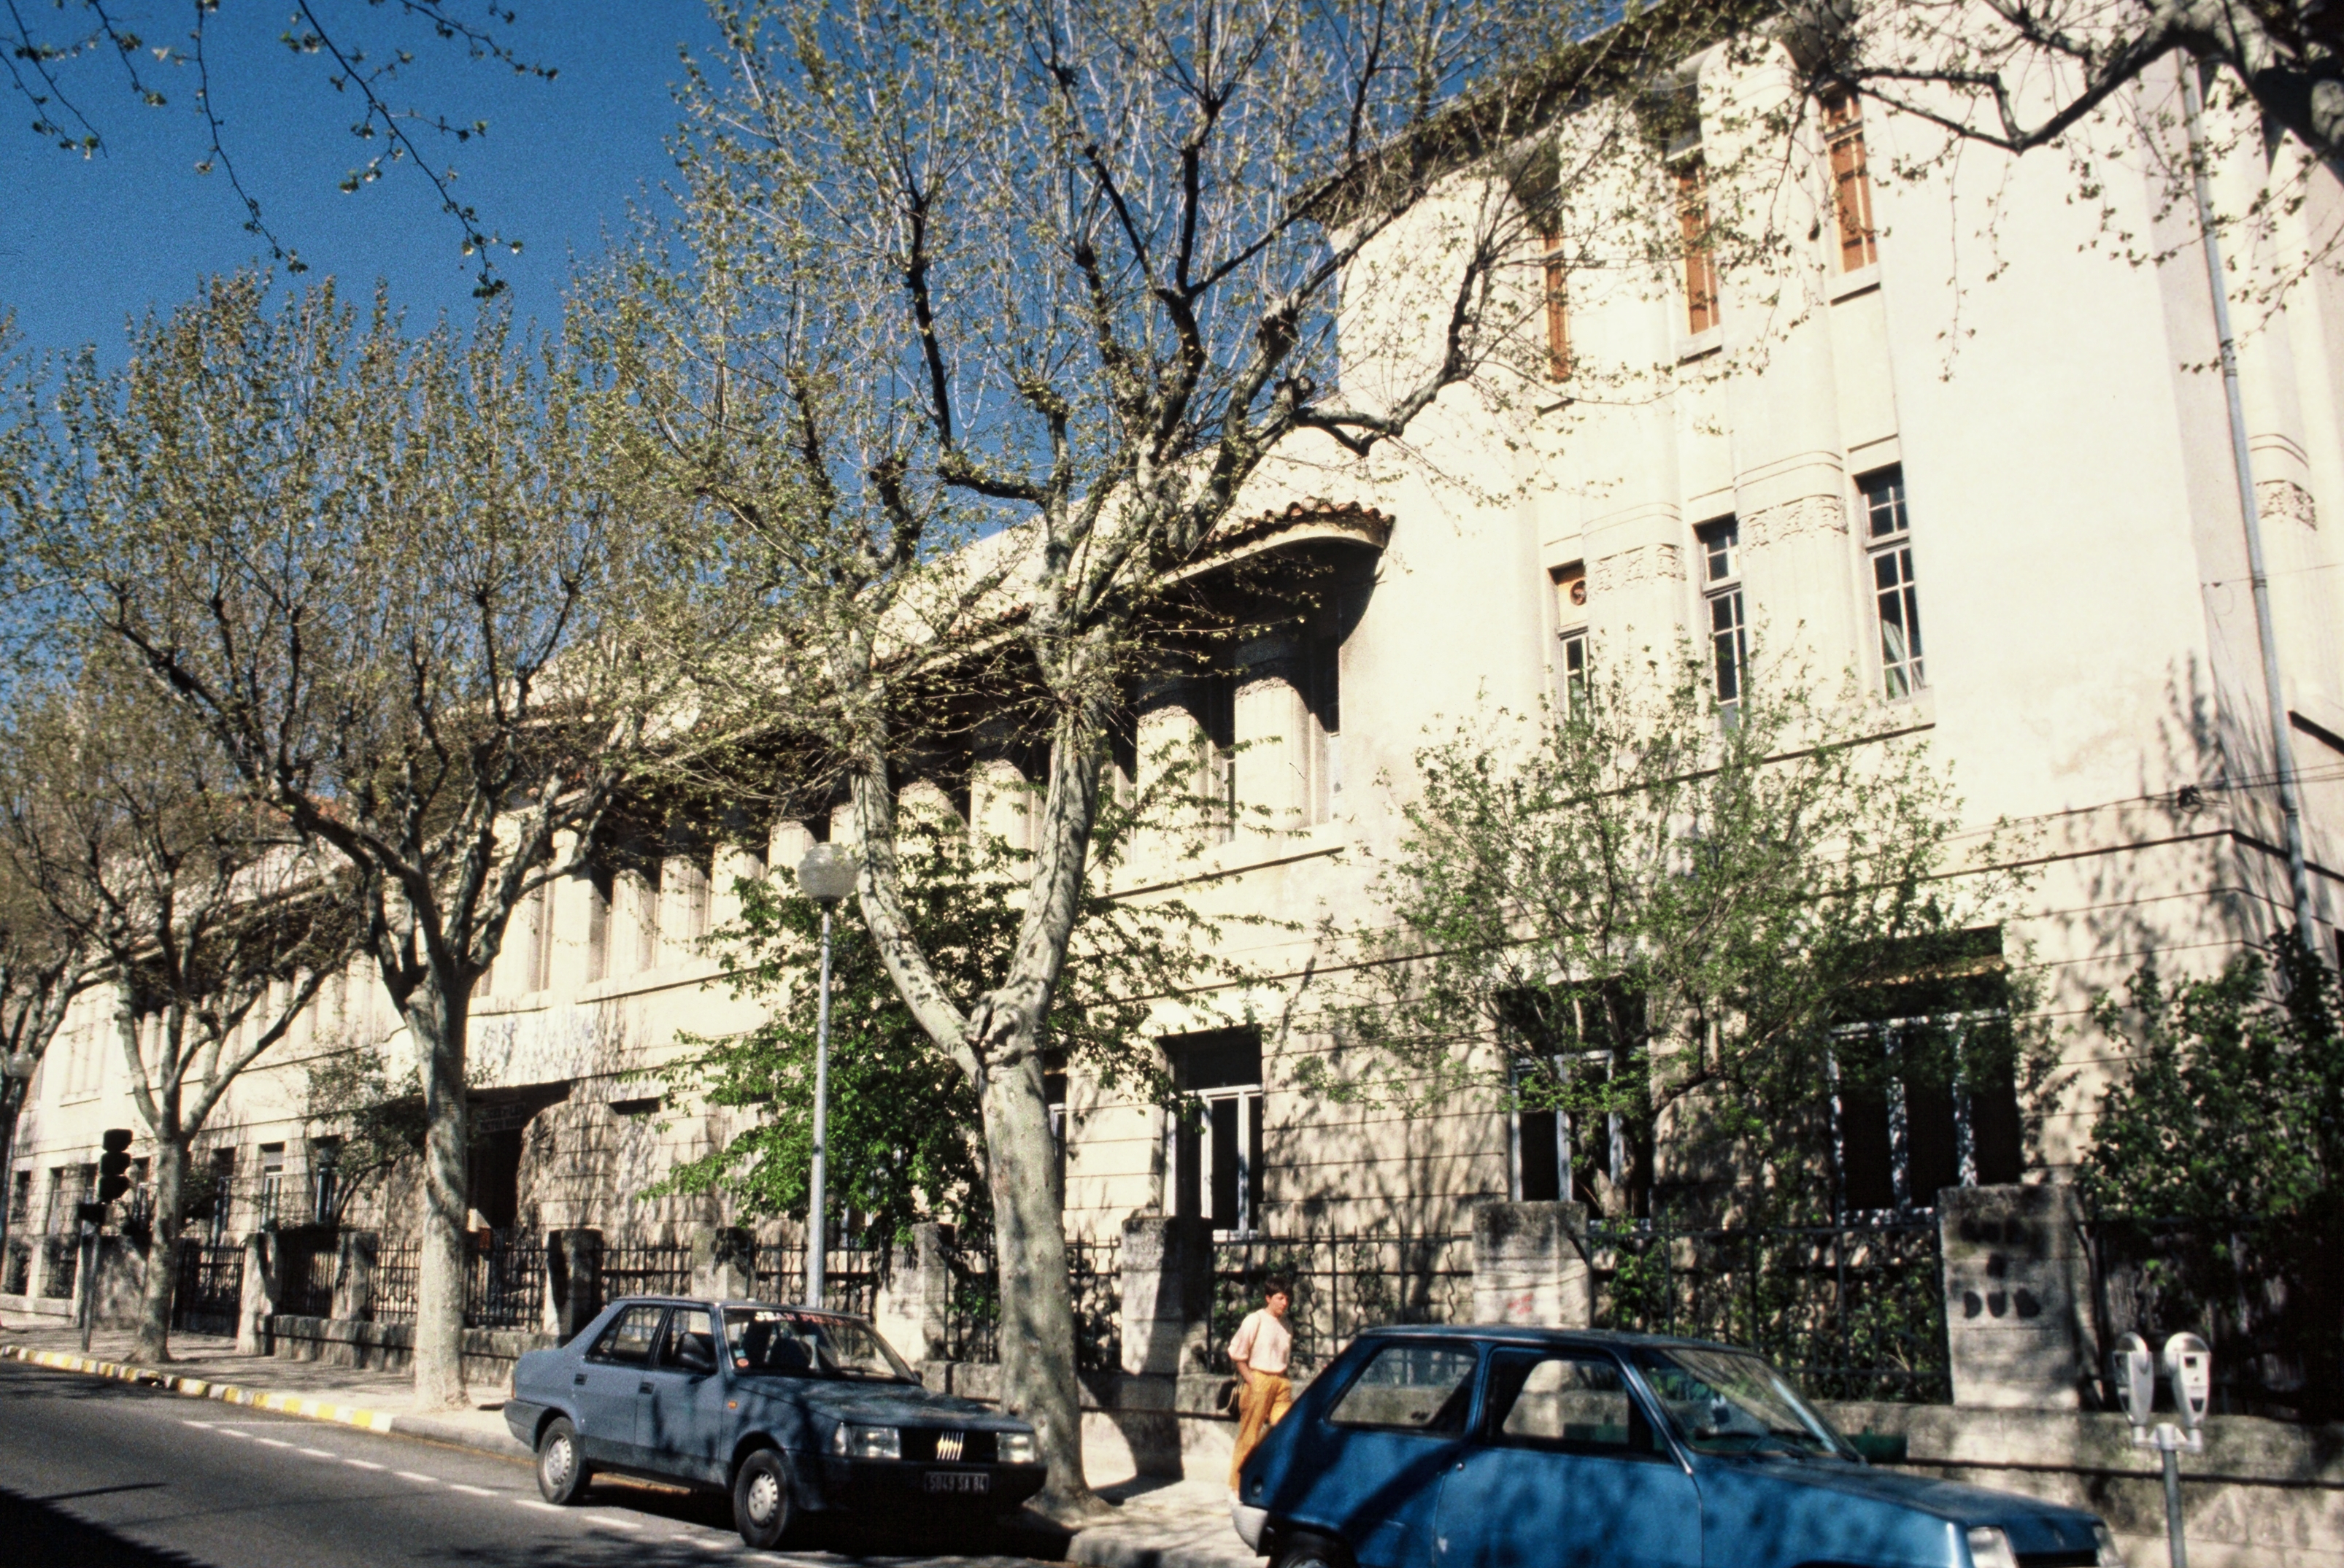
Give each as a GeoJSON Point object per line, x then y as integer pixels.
{"type": "Point", "coordinates": [437, 1021]}
{"type": "Point", "coordinates": [1029, 1251]}
{"type": "Point", "coordinates": [12, 1101]}
{"type": "Point", "coordinates": [152, 1345]}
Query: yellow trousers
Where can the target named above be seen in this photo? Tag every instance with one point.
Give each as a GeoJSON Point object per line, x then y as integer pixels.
{"type": "Point", "coordinates": [1265, 1397]}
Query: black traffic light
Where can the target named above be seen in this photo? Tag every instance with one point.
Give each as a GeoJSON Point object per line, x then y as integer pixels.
{"type": "Point", "coordinates": [114, 1165]}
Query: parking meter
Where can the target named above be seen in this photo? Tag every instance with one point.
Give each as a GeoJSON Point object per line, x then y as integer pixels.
{"type": "Point", "coordinates": [2190, 1370]}
{"type": "Point", "coordinates": [2133, 1370]}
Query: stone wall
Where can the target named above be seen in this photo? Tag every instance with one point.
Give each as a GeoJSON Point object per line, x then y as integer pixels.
{"type": "Point", "coordinates": [488, 1353]}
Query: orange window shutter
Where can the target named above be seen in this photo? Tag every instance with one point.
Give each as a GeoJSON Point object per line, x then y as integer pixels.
{"type": "Point", "coordinates": [1700, 264]}
{"type": "Point", "coordinates": [1851, 183]}
{"type": "Point", "coordinates": [1558, 313]}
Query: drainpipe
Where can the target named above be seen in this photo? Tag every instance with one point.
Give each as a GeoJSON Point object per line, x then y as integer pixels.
{"type": "Point", "coordinates": [2290, 805]}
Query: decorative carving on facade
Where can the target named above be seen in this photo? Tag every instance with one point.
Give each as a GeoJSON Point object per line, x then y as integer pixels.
{"type": "Point", "coordinates": [1638, 565]}
{"type": "Point", "coordinates": [1809, 515]}
{"type": "Point", "coordinates": [2285, 498]}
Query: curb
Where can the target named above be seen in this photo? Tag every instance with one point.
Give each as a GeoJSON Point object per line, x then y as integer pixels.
{"type": "Point", "coordinates": [307, 1409]}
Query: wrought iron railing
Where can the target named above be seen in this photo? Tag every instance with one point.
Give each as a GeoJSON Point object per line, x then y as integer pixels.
{"type": "Point", "coordinates": [210, 1290]}
{"type": "Point", "coordinates": [504, 1279]}
{"type": "Point", "coordinates": [397, 1281]}
{"type": "Point", "coordinates": [307, 1264]}
{"type": "Point", "coordinates": [61, 1263]}
{"type": "Point", "coordinates": [1340, 1285]}
{"type": "Point", "coordinates": [646, 1269]}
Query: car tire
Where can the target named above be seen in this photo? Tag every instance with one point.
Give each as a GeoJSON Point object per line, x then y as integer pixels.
{"type": "Point", "coordinates": [761, 1509]}
{"type": "Point", "coordinates": [1312, 1552]}
{"type": "Point", "coordinates": [563, 1473]}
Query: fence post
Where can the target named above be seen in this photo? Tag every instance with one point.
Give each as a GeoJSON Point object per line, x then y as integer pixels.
{"type": "Point", "coordinates": [355, 1254]}
{"type": "Point", "coordinates": [914, 1305]}
{"type": "Point", "coordinates": [259, 1302]}
{"type": "Point", "coordinates": [574, 1279]}
{"type": "Point", "coordinates": [1529, 1265]}
{"type": "Point", "coordinates": [724, 1263]}
{"type": "Point", "coordinates": [2018, 1316]}
{"type": "Point", "coordinates": [1167, 1294]}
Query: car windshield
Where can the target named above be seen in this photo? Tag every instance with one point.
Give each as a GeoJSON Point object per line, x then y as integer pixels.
{"type": "Point", "coordinates": [782, 1342]}
{"type": "Point", "coordinates": [1729, 1401]}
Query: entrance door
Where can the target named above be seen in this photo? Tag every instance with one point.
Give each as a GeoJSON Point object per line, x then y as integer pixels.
{"type": "Point", "coordinates": [1566, 1471]}
{"type": "Point", "coordinates": [612, 1382]}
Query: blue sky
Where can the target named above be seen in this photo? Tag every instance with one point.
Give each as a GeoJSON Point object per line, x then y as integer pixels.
{"type": "Point", "coordinates": [85, 243]}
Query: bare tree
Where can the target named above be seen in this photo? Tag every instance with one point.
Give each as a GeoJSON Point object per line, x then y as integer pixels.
{"type": "Point", "coordinates": [379, 572]}
{"type": "Point", "coordinates": [981, 321]}
{"type": "Point", "coordinates": [215, 923]}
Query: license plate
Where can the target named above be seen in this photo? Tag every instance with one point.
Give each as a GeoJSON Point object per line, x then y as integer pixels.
{"type": "Point", "coordinates": [959, 1480]}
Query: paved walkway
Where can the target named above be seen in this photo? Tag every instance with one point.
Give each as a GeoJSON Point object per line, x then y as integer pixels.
{"type": "Point", "coordinates": [1160, 1522]}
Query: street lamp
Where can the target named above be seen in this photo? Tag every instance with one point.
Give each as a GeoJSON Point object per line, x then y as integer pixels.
{"type": "Point", "coordinates": [826, 875]}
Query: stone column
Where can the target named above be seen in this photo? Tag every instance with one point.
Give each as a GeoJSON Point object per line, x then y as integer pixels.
{"type": "Point", "coordinates": [724, 1263]}
{"type": "Point", "coordinates": [916, 1300]}
{"type": "Point", "coordinates": [259, 1304]}
{"type": "Point", "coordinates": [1167, 1294]}
{"type": "Point", "coordinates": [574, 1279]}
{"type": "Point", "coordinates": [1529, 1265]}
{"type": "Point", "coordinates": [354, 1262]}
{"type": "Point", "coordinates": [2018, 1318]}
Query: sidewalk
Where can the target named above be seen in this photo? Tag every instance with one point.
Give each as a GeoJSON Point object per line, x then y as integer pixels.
{"type": "Point", "coordinates": [1160, 1522]}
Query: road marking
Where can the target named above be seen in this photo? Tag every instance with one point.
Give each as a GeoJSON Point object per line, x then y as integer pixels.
{"type": "Point", "coordinates": [201, 1425]}
{"type": "Point", "coordinates": [320, 1453]}
{"type": "Point", "coordinates": [470, 1491]}
{"type": "Point", "coordinates": [272, 1442]}
{"type": "Point", "coordinates": [231, 1431]}
{"type": "Point", "coordinates": [410, 1475]}
{"type": "Point", "coordinates": [362, 1464]}
{"type": "Point", "coordinates": [541, 1507]}
{"type": "Point", "coordinates": [620, 1523]}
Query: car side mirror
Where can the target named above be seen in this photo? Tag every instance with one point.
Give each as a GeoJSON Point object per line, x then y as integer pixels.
{"type": "Point", "coordinates": [694, 1357]}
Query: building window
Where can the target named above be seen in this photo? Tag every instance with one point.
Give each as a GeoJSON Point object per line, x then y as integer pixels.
{"type": "Point", "coordinates": [272, 1185]}
{"type": "Point", "coordinates": [1729, 637]}
{"type": "Point", "coordinates": [20, 1203]}
{"type": "Point", "coordinates": [1851, 182]}
{"type": "Point", "coordinates": [598, 889]}
{"type": "Point", "coordinates": [1213, 1165]}
{"type": "Point", "coordinates": [1570, 624]}
{"type": "Point", "coordinates": [1911, 1115]}
{"type": "Point", "coordinates": [1888, 538]}
{"type": "Point", "coordinates": [1558, 311]}
{"type": "Point", "coordinates": [1323, 694]}
{"type": "Point", "coordinates": [223, 1193]}
{"type": "Point", "coordinates": [325, 1187]}
{"type": "Point", "coordinates": [1699, 258]}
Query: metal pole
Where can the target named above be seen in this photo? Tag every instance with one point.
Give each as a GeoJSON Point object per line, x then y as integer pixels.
{"type": "Point", "coordinates": [817, 1230]}
{"type": "Point", "coordinates": [2176, 1549]}
{"type": "Point", "coordinates": [2273, 691]}
{"type": "Point", "coordinates": [88, 1292]}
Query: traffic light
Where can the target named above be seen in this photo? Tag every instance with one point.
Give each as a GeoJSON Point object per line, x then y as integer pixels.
{"type": "Point", "coordinates": [114, 1165]}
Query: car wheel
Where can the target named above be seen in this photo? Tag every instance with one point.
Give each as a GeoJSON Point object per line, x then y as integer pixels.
{"type": "Point", "coordinates": [760, 1498]}
{"type": "Point", "coordinates": [563, 1474]}
{"type": "Point", "coordinates": [1313, 1552]}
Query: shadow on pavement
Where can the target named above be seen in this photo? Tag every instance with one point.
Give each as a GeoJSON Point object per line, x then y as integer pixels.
{"type": "Point", "coordinates": [38, 1533]}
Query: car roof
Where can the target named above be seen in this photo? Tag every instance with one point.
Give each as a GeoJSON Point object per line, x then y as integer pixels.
{"type": "Point", "coordinates": [728, 1301]}
{"type": "Point", "coordinates": [1533, 1334]}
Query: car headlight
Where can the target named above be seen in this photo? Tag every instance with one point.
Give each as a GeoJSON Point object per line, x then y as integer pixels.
{"type": "Point", "coordinates": [1017, 1448]}
{"type": "Point", "coordinates": [2111, 1557]}
{"type": "Point", "coordinates": [866, 1441]}
{"type": "Point", "coordinates": [1990, 1548]}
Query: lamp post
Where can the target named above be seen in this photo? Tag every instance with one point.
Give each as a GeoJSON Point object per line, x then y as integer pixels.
{"type": "Point", "coordinates": [826, 875]}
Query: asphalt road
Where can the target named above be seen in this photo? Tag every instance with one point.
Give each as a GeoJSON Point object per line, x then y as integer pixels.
{"type": "Point", "coordinates": [99, 1472]}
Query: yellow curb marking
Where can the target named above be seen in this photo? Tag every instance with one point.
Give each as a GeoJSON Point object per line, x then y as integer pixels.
{"type": "Point", "coordinates": [198, 1388]}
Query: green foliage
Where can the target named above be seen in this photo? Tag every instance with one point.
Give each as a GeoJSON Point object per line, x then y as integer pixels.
{"type": "Point", "coordinates": [2233, 1106]}
{"type": "Point", "coordinates": [1642, 910]}
{"type": "Point", "coordinates": [355, 1096]}
{"type": "Point", "coordinates": [905, 1142]}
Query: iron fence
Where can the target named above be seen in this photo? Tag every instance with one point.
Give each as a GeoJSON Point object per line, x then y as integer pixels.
{"type": "Point", "coordinates": [851, 1275]}
{"type": "Point", "coordinates": [646, 1269]}
{"type": "Point", "coordinates": [1856, 1311]}
{"type": "Point", "coordinates": [18, 1278]}
{"type": "Point", "coordinates": [2266, 1295]}
{"type": "Point", "coordinates": [972, 1301]}
{"type": "Point", "coordinates": [504, 1279]}
{"type": "Point", "coordinates": [1340, 1285]}
{"type": "Point", "coordinates": [307, 1262]}
{"type": "Point", "coordinates": [1095, 1282]}
{"type": "Point", "coordinates": [210, 1290]}
{"type": "Point", "coordinates": [398, 1279]}
{"type": "Point", "coordinates": [1094, 1289]}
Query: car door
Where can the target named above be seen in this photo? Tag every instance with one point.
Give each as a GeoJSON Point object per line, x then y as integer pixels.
{"type": "Point", "coordinates": [683, 1414]}
{"type": "Point", "coordinates": [1565, 1470]}
{"type": "Point", "coordinates": [610, 1383]}
{"type": "Point", "coordinates": [1385, 1444]}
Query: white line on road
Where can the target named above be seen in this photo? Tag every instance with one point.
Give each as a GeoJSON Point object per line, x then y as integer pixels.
{"type": "Point", "coordinates": [541, 1507]}
{"type": "Point", "coordinates": [362, 1464]}
{"type": "Point", "coordinates": [410, 1475]}
{"type": "Point", "coordinates": [272, 1442]}
{"type": "Point", "coordinates": [618, 1524]}
{"type": "Point", "coordinates": [320, 1453]}
{"type": "Point", "coordinates": [231, 1431]}
{"type": "Point", "coordinates": [204, 1425]}
{"type": "Point", "coordinates": [470, 1491]}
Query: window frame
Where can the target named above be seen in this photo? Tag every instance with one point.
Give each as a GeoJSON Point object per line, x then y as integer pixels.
{"type": "Point", "coordinates": [1891, 548]}
{"type": "Point", "coordinates": [1701, 299]}
{"type": "Point", "coordinates": [1841, 117]}
{"type": "Point", "coordinates": [1554, 277]}
{"type": "Point", "coordinates": [1722, 591]}
{"type": "Point", "coordinates": [1476, 1350]}
{"type": "Point", "coordinates": [1485, 1426]}
{"type": "Point", "coordinates": [595, 1355]}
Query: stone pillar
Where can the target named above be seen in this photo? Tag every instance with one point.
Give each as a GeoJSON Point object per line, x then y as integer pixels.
{"type": "Point", "coordinates": [916, 1300]}
{"type": "Point", "coordinates": [573, 1281]}
{"type": "Point", "coordinates": [1529, 1265]}
{"type": "Point", "coordinates": [724, 1263]}
{"type": "Point", "coordinates": [2018, 1318]}
{"type": "Point", "coordinates": [354, 1258]}
{"type": "Point", "coordinates": [259, 1304]}
{"type": "Point", "coordinates": [1167, 1294]}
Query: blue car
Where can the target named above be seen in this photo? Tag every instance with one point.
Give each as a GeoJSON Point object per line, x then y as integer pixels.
{"type": "Point", "coordinates": [1504, 1448]}
{"type": "Point", "coordinates": [790, 1411]}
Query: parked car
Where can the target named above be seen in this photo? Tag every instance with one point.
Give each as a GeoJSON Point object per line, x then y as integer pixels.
{"type": "Point", "coordinates": [792, 1410]}
{"type": "Point", "coordinates": [1503, 1448]}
